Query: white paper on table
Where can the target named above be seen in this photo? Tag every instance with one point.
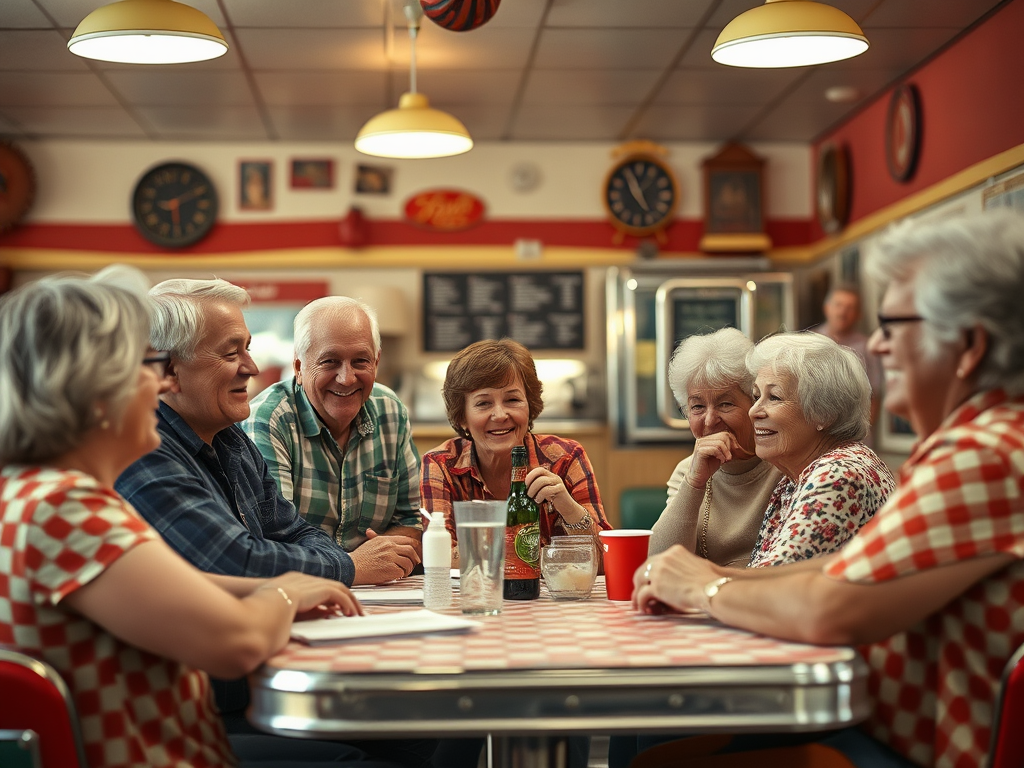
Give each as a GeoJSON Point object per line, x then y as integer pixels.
{"type": "Point", "coordinates": [381, 625]}
{"type": "Point", "coordinates": [389, 596]}
{"type": "Point", "coordinates": [455, 573]}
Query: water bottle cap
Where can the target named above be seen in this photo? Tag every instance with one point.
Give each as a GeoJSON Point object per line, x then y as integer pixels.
{"type": "Point", "coordinates": [437, 517]}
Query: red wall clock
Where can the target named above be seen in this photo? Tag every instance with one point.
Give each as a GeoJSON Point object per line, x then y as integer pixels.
{"type": "Point", "coordinates": [903, 132]}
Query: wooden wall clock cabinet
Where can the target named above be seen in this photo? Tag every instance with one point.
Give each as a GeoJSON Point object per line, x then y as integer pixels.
{"type": "Point", "coordinates": [734, 202]}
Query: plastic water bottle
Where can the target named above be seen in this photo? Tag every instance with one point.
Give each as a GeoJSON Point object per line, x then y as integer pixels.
{"type": "Point", "coordinates": [437, 563]}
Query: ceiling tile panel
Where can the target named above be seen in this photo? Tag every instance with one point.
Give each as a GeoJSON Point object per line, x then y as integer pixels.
{"type": "Point", "coordinates": [566, 123]}
{"type": "Point", "coordinates": [312, 14]}
{"type": "Point", "coordinates": [590, 86]}
{"type": "Point", "coordinates": [200, 124]}
{"type": "Point", "coordinates": [692, 123]}
{"type": "Point", "coordinates": [485, 48]}
{"type": "Point", "coordinates": [315, 49]}
{"type": "Point", "coordinates": [608, 48]}
{"type": "Point", "coordinates": [40, 89]}
{"type": "Point", "coordinates": [321, 89]}
{"type": "Point", "coordinates": [21, 14]}
{"type": "Point", "coordinates": [484, 122]}
{"type": "Point", "coordinates": [900, 49]}
{"type": "Point", "coordinates": [658, 14]}
{"type": "Point", "coordinates": [725, 85]}
{"type": "Point", "coordinates": [182, 87]}
{"type": "Point", "coordinates": [319, 123]}
{"type": "Point", "coordinates": [446, 88]}
{"type": "Point", "coordinates": [71, 122]}
{"type": "Point", "coordinates": [44, 50]}
{"type": "Point", "coordinates": [940, 13]}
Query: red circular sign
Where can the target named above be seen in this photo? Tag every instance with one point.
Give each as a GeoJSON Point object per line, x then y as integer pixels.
{"type": "Point", "coordinates": [445, 210]}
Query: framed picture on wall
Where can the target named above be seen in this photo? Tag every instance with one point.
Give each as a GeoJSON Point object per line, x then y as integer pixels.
{"type": "Point", "coordinates": [255, 187]}
{"type": "Point", "coordinates": [894, 435]}
{"type": "Point", "coordinates": [312, 174]}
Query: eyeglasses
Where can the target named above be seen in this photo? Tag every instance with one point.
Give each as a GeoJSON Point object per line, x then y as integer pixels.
{"type": "Point", "coordinates": [885, 323]}
{"type": "Point", "coordinates": [158, 362]}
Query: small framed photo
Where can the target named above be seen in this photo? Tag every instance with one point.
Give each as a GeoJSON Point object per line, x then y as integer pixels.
{"type": "Point", "coordinates": [312, 174]}
{"type": "Point", "coordinates": [373, 180]}
{"type": "Point", "coordinates": [895, 435]}
{"type": "Point", "coordinates": [255, 185]}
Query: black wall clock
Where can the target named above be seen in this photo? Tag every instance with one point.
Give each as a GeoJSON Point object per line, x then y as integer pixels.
{"type": "Point", "coordinates": [640, 195]}
{"type": "Point", "coordinates": [174, 205]}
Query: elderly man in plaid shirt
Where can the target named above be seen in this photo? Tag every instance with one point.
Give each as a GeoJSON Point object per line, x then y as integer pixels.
{"type": "Point", "coordinates": [340, 445]}
{"type": "Point", "coordinates": [932, 588]}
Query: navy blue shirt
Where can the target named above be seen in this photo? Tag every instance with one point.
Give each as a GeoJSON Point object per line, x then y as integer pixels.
{"type": "Point", "coordinates": [220, 509]}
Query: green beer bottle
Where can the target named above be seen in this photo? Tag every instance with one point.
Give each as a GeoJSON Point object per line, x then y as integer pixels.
{"type": "Point", "coordinates": [522, 536]}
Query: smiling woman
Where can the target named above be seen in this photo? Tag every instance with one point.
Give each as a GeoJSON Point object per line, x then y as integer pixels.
{"type": "Point", "coordinates": [811, 411]}
{"type": "Point", "coordinates": [492, 396]}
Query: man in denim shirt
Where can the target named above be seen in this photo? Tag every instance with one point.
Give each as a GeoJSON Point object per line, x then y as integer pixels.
{"type": "Point", "coordinates": [207, 489]}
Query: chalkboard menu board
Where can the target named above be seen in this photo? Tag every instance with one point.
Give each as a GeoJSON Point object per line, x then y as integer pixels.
{"type": "Point", "coordinates": [541, 310]}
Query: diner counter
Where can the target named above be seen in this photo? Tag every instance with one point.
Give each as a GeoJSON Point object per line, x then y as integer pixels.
{"type": "Point", "coordinates": [554, 667]}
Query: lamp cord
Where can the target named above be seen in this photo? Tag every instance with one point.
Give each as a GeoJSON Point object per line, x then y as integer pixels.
{"type": "Point", "coordinates": [413, 12]}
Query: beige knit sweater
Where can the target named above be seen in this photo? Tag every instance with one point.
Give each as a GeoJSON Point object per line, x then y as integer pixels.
{"type": "Point", "coordinates": [740, 493]}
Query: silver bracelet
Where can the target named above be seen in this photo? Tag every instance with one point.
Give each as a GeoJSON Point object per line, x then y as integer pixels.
{"type": "Point", "coordinates": [583, 525]}
{"type": "Point", "coordinates": [285, 596]}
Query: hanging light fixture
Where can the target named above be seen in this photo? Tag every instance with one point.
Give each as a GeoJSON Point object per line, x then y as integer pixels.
{"type": "Point", "coordinates": [789, 33]}
{"type": "Point", "coordinates": [414, 130]}
{"type": "Point", "coordinates": [148, 32]}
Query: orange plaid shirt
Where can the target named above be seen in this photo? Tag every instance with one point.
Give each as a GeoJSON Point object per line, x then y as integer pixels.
{"type": "Point", "coordinates": [961, 495]}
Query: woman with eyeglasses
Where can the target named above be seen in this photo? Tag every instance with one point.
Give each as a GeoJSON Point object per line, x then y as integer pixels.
{"type": "Point", "coordinates": [932, 589]}
{"type": "Point", "coordinates": [90, 587]}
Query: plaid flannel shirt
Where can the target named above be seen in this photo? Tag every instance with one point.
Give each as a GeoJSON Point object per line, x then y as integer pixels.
{"type": "Point", "coordinates": [450, 473]}
{"type": "Point", "coordinates": [374, 483]}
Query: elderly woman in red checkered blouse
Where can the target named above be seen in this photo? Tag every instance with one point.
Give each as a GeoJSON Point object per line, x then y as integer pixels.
{"type": "Point", "coordinates": [933, 586]}
{"type": "Point", "coordinates": [89, 586]}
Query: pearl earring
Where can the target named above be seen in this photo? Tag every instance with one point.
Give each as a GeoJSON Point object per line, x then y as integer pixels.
{"type": "Point", "coordinates": [820, 427]}
{"type": "Point", "coordinates": [104, 422]}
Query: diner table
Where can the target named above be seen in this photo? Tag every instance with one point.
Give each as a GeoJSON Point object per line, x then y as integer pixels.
{"type": "Point", "coordinates": [542, 670]}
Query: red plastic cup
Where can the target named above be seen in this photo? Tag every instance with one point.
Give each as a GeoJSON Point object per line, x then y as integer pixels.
{"type": "Point", "coordinates": [625, 550]}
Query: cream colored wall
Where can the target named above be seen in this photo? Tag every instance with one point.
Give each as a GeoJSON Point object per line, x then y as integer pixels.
{"type": "Point", "coordinates": [91, 181]}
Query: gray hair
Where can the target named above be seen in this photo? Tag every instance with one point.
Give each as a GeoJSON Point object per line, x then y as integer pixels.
{"type": "Point", "coordinates": [832, 386]}
{"type": "Point", "coordinates": [965, 271]}
{"type": "Point", "coordinates": [178, 311]}
{"type": "Point", "coordinates": [336, 305]}
{"type": "Point", "coordinates": [712, 360]}
{"type": "Point", "coordinates": [67, 344]}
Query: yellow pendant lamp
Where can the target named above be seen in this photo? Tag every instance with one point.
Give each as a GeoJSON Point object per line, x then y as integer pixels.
{"type": "Point", "coordinates": [789, 33]}
{"type": "Point", "coordinates": [148, 32]}
{"type": "Point", "coordinates": [415, 129]}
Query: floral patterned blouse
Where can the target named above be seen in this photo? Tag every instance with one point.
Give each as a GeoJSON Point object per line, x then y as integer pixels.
{"type": "Point", "coordinates": [833, 497]}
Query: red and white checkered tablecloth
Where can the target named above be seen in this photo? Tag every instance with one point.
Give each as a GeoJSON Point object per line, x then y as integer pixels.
{"type": "Point", "coordinates": [548, 634]}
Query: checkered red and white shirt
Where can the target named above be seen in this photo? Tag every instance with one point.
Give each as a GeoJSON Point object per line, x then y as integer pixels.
{"type": "Point", "coordinates": [961, 495]}
{"type": "Point", "coordinates": [60, 530]}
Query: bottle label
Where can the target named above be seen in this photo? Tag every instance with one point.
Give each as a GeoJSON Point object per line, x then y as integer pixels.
{"type": "Point", "coordinates": [522, 551]}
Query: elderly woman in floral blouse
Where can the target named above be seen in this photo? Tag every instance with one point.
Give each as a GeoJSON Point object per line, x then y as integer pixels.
{"type": "Point", "coordinates": [811, 410]}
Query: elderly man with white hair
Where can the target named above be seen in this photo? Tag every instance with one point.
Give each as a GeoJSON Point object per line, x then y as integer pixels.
{"type": "Point", "coordinates": [339, 444]}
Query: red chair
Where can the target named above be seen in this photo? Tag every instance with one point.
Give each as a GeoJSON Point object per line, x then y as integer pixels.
{"type": "Point", "coordinates": [1007, 747]}
{"type": "Point", "coordinates": [36, 699]}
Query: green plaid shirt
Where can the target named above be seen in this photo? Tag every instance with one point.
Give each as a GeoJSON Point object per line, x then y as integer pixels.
{"type": "Point", "coordinates": [373, 484]}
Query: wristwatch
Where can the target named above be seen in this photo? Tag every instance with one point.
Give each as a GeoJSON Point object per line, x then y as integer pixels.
{"type": "Point", "coordinates": [712, 587]}
{"type": "Point", "coordinates": [583, 524]}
